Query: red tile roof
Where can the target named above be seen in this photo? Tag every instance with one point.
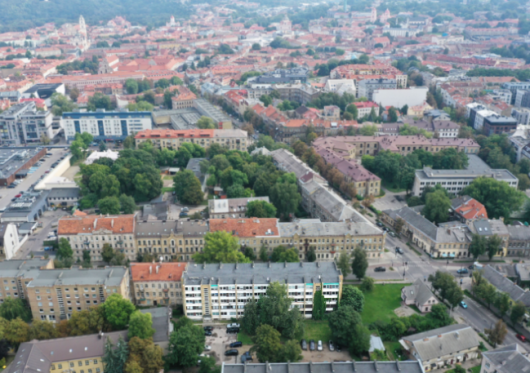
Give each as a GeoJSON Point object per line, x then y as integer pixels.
{"type": "Point", "coordinates": [157, 271]}
{"type": "Point", "coordinates": [90, 223]}
{"type": "Point", "coordinates": [246, 227]}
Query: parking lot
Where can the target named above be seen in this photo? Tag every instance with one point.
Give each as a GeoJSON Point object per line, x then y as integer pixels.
{"type": "Point", "coordinates": [220, 340]}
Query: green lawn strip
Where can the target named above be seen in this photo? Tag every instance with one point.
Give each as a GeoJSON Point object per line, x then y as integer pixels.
{"type": "Point", "coordinates": [317, 330]}
{"type": "Point", "coordinates": [391, 348]}
{"type": "Point", "coordinates": [167, 189]}
{"type": "Point", "coordinates": [413, 249]}
{"type": "Point", "coordinates": [244, 338]}
{"type": "Point", "coordinates": [475, 369]}
{"type": "Point", "coordinates": [381, 302]}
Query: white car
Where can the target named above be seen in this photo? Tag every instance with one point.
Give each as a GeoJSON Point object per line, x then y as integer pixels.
{"type": "Point", "coordinates": [233, 325]}
{"type": "Point", "coordinates": [319, 346]}
{"type": "Point", "coordinates": [207, 348]}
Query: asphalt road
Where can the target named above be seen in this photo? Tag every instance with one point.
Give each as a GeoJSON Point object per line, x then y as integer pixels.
{"type": "Point", "coordinates": [7, 194]}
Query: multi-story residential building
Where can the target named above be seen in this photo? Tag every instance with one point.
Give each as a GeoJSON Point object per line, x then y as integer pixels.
{"type": "Point", "coordinates": [443, 346]}
{"type": "Point", "coordinates": [82, 354]}
{"type": "Point", "coordinates": [220, 291]}
{"type": "Point", "coordinates": [519, 242]}
{"type": "Point", "coordinates": [358, 72]}
{"type": "Point", "coordinates": [367, 87]}
{"type": "Point", "coordinates": [497, 124]}
{"type": "Point", "coordinates": [231, 207]}
{"type": "Point", "coordinates": [456, 180]}
{"type": "Point", "coordinates": [504, 95]}
{"type": "Point", "coordinates": [514, 86]}
{"type": "Point", "coordinates": [16, 274]}
{"type": "Point", "coordinates": [103, 125]}
{"type": "Point", "coordinates": [365, 108]}
{"type": "Point", "coordinates": [299, 92]}
{"type": "Point", "coordinates": [403, 145]}
{"type": "Point", "coordinates": [492, 227]}
{"type": "Point", "coordinates": [325, 367]}
{"type": "Point", "coordinates": [173, 139]}
{"type": "Point", "coordinates": [506, 359]}
{"type": "Point", "coordinates": [91, 232]}
{"type": "Point", "coordinates": [521, 115]}
{"type": "Point", "coordinates": [281, 76]}
{"type": "Point", "coordinates": [23, 124]}
{"type": "Point", "coordinates": [55, 294]}
{"type": "Point", "coordinates": [157, 284]}
{"type": "Point", "coordinates": [171, 240]}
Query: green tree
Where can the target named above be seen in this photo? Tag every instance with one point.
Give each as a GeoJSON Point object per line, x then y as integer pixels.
{"type": "Point", "coordinates": [141, 325]}
{"type": "Point", "coordinates": [517, 313]}
{"type": "Point", "coordinates": [86, 262]}
{"type": "Point", "coordinates": [268, 345]}
{"type": "Point", "coordinates": [206, 123]}
{"type": "Point", "coordinates": [392, 115]}
{"type": "Point", "coordinates": [148, 355]}
{"type": "Point", "coordinates": [437, 207]}
{"type": "Point", "coordinates": [185, 344]}
{"type": "Point", "coordinates": [286, 198]}
{"type": "Point", "coordinates": [88, 321]}
{"type": "Point", "coordinates": [250, 320]}
{"type": "Point", "coordinates": [497, 196]}
{"type": "Point", "coordinates": [109, 205]}
{"type": "Point", "coordinates": [117, 311]}
{"type": "Point", "coordinates": [342, 323]}
{"type": "Point", "coordinates": [260, 209]}
{"type": "Point", "coordinates": [291, 351]}
{"type": "Point", "coordinates": [256, 47]}
{"type": "Point", "coordinates": [352, 109]}
{"type": "Point", "coordinates": [360, 262]}
{"type": "Point", "coordinates": [344, 263]}
{"type": "Point", "coordinates": [11, 308]}
{"type": "Point", "coordinates": [16, 332]}
{"type": "Point", "coordinates": [220, 247]}
{"type": "Point", "coordinates": [65, 250]}
{"type": "Point", "coordinates": [188, 188]}
{"type": "Point", "coordinates": [368, 284]}
{"type": "Point", "coordinates": [42, 330]}
{"type": "Point", "coordinates": [493, 246]}
{"type": "Point", "coordinates": [503, 303]}
{"type": "Point", "coordinates": [478, 246]}
{"type": "Point", "coordinates": [114, 358]}
{"type": "Point", "coordinates": [127, 204]}
{"type": "Point", "coordinates": [319, 306]}
{"type": "Point", "coordinates": [497, 334]}
{"type": "Point", "coordinates": [311, 256]}
{"type": "Point", "coordinates": [361, 342]}
{"type": "Point", "coordinates": [283, 254]}
{"type": "Point", "coordinates": [107, 253]}
{"type": "Point", "coordinates": [352, 296]}
{"type": "Point", "coordinates": [131, 86]}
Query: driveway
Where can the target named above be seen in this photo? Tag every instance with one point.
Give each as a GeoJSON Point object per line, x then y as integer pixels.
{"type": "Point", "coordinates": [389, 201]}
{"type": "Point", "coordinates": [325, 354]}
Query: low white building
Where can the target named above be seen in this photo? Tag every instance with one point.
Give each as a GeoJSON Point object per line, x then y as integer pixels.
{"type": "Point", "coordinates": [340, 86]}
{"type": "Point", "coordinates": [398, 98]}
{"type": "Point", "coordinates": [105, 154]}
{"type": "Point", "coordinates": [9, 240]}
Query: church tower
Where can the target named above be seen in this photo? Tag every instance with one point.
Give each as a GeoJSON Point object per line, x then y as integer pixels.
{"type": "Point", "coordinates": [373, 16]}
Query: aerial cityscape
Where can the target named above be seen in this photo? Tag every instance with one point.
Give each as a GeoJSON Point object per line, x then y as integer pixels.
{"type": "Point", "coordinates": [265, 186]}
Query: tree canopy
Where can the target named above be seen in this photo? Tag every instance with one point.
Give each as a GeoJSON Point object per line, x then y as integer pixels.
{"type": "Point", "coordinates": [220, 247]}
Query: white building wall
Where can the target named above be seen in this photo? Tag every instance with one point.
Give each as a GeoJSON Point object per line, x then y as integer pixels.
{"type": "Point", "coordinates": [11, 241]}
{"type": "Point", "coordinates": [400, 97]}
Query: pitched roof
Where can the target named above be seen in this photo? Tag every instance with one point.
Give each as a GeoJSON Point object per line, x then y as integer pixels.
{"type": "Point", "coordinates": [508, 359]}
{"type": "Point", "coordinates": [87, 224]}
{"type": "Point", "coordinates": [247, 227]}
{"type": "Point", "coordinates": [157, 271]}
{"type": "Point", "coordinates": [504, 284]}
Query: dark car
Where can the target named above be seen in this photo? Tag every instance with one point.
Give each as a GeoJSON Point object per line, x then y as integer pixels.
{"type": "Point", "coordinates": [399, 250]}
{"type": "Point", "coordinates": [208, 333]}
{"type": "Point", "coordinates": [232, 352]}
{"type": "Point", "coordinates": [379, 223]}
{"type": "Point", "coordinates": [304, 344]}
{"type": "Point", "coordinates": [471, 266]}
{"type": "Point", "coordinates": [232, 330]}
{"type": "Point", "coordinates": [208, 328]}
{"type": "Point", "coordinates": [236, 344]}
{"type": "Point", "coordinates": [380, 269]}
{"type": "Point", "coordinates": [12, 186]}
{"type": "Point", "coordinates": [462, 271]}
{"type": "Point", "coordinates": [246, 356]}
{"type": "Point", "coordinates": [312, 345]}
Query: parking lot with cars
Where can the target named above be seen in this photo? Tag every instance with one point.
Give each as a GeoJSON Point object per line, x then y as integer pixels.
{"type": "Point", "coordinates": [323, 351]}
{"type": "Point", "coordinates": [222, 344]}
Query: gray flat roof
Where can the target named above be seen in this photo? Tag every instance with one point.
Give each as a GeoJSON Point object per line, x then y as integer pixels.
{"type": "Point", "coordinates": [109, 276]}
{"type": "Point", "coordinates": [325, 367]}
{"type": "Point", "coordinates": [314, 227]}
{"type": "Point", "coordinates": [12, 159]}
{"type": "Point", "coordinates": [261, 273]}
{"type": "Point", "coordinates": [160, 317]}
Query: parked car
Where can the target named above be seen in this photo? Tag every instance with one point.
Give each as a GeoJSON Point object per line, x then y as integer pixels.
{"type": "Point", "coordinates": [183, 215]}
{"type": "Point", "coordinates": [471, 266]}
{"type": "Point", "coordinates": [12, 186]}
{"type": "Point", "coordinates": [399, 250]}
{"type": "Point", "coordinates": [208, 333]}
{"type": "Point", "coordinates": [521, 337]}
{"type": "Point", "coordinates": [233, 325]}
{"type": "Point", "coordinates": [379, 223]}
{"type": "Point", "coordinates": [462, 271]}
{"type": "Point", "coordinates": [380, 269]}
{"type": "Point", "coordinates": [392, 234]}
{"type": "Point", "coordinates": [312, 345]}
{"type": "Point", "coordinates": [207, 348]}
{"type": "Point", "coordinates": [463, 304]}
{"type": "Point", "coordinates": [232, 330]}
{"type": "Point", "coordinates": [319, 346]}
{"type": "Point", "coordinates": [236, 344]}
{"type": "Point", "coordinates": [246, 356]}
{"type": "Point", "coordinates": [232, 352]}
{"type": "Point", "coordinates": [48, 248]}
{"type": "Point", "coordinates": [210, 328]}
{"type": "Point", "coordinates": [185, 209]}
{"type": "Point", "coordinates": [304, 344]}
{"type": "Point", "coordinates": [331, 346]}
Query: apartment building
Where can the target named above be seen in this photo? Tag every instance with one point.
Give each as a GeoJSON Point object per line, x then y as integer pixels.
{"type": "Point", "coordinates": [332, 367]}
{"type": "Point", "coordinates": [231, 207]}
{"type": "Point", "coordinates": [456, 180]}
{"type": "Point", "coordinates": [173, 139]}
{"type": "Point", "coordinates": [15, 275]}
{"type": "Point", "coordinates": [157, 284]}
{"type": "Point", "coordinates": [23, 123]}
{"type": "Point", "coordinates": [55, 294]}
{"type": "Point", "coordinates": [498, 124]}
{"type": "Point", "coordinates": [91, 232]}
{"type": "Point", "coordinates": [521, 115]}
{"type": "Point", "coordinates": [104, 125]}
{"type": "Point", "coordinates": [514, 86]}
{"type": "Point", "coordinates": [359, 71]}
{"type": "Point", "coordinates": [367, 87]}
{"type": "Point", "coordinates": [171, 239]}
{"type": "Point", "coordinates": [220, 291]}
{"type": "Point", "coordinates": [82, 354]}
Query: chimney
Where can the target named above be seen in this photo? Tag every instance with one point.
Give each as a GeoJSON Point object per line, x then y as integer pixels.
{"type": "Point", "coordinates": [112, 223]}
{"type": "Point", "coordinates": [157, 269]}
{"type": "Point", "coordinates": [150, 270]}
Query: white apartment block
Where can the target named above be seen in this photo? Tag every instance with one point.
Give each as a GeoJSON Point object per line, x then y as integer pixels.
{"type": "Point", "coordinates": [220, 291]}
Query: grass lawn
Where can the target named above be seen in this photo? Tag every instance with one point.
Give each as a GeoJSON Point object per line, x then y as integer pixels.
{"type": "Point", "coordinates": [167, 177]}
{"type": "Point", "coordinates": [475, 369]}
{"type": "Point", "coordinates": [244, 338]}
{"type": "Point", "coordinates": [393, 188]}
{"type": "Point", "coordinates": [317, 330]}
{"type": "Point", "coordinates": [167, 189]}
{"type": "Point", "coordinates": [381, 302]}
{"type": "Point", "coordinates": [391, 348]}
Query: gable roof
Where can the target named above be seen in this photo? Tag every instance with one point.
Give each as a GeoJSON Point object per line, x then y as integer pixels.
{"type": "Point", "coordinates": [419, 291]}
{"type": "Point", "coordinates": [504, 284]}
{"type": "Point", "coordinates": [118, 224]}
{"type": "Point", "coordinates": [508, 359]}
